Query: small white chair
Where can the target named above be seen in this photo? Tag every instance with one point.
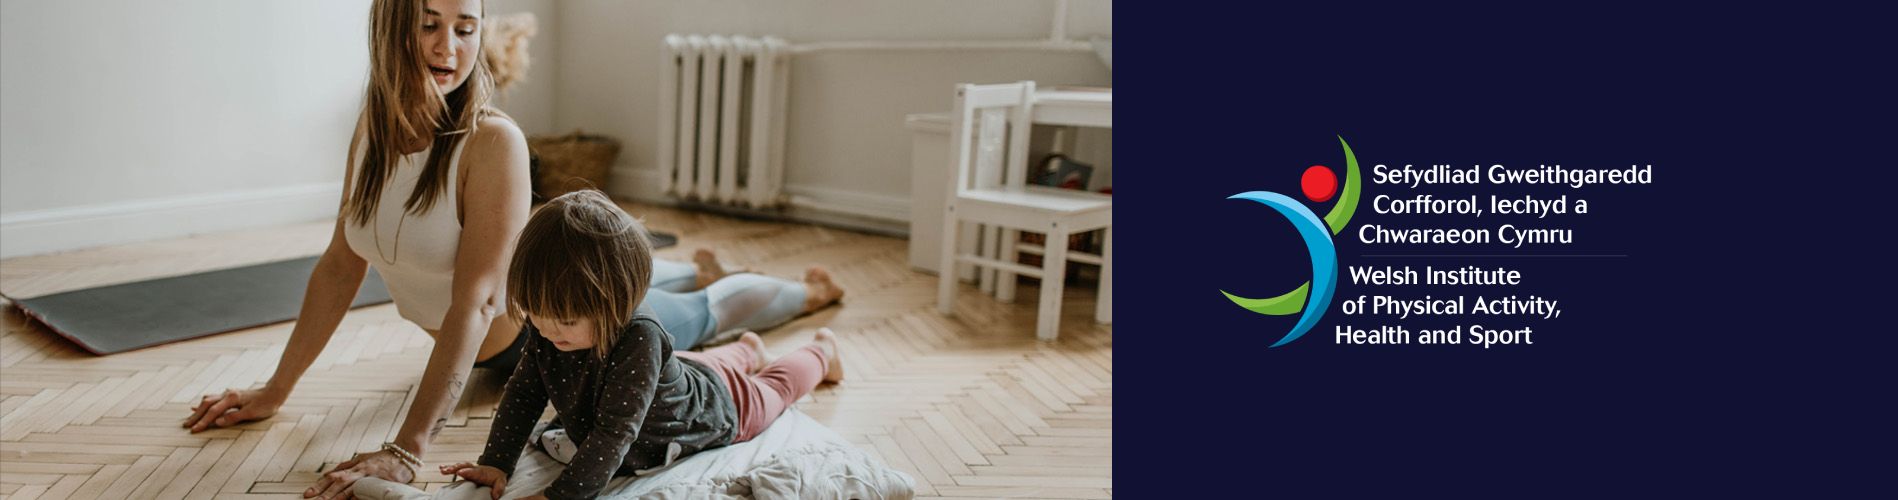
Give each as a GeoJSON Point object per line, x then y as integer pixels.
{"type": "Point", "coordinates": [990, 121]}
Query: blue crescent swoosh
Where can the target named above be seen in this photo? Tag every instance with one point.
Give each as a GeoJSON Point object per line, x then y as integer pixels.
{"type": "Point", "coordinates": [1324, 257]}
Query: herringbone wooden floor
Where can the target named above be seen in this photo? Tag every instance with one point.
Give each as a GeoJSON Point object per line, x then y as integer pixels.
{"type": "Point", "coordinates": [970, 405]}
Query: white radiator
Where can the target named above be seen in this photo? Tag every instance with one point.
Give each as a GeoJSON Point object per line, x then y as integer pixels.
{"type": "Point", "coordinates": [721, 119]}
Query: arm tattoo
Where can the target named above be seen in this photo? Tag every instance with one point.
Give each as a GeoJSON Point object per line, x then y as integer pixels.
{"type": "Point", "coordinates": [455, 384]}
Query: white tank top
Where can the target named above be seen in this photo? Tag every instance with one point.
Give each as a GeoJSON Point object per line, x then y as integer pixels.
{"type": "Point", "coordinates": [415, 254]}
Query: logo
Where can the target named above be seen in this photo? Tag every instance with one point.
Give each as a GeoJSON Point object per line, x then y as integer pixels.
{"type": "Point", "coordinates": [1313, 297]}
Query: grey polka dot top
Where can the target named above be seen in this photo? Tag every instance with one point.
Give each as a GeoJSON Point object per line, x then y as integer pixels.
{"type": "Point", "coordinates": [622, 411]}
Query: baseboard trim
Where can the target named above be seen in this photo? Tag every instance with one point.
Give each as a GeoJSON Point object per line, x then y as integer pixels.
{"type": "Point", "coordinates": [52, 230]}
{"type": "Point", "coordinates": [645, 185]}
{"type": "Point", "coordinates": [865, 205]}
{"type": "Point", "coordinates": [874, 213]}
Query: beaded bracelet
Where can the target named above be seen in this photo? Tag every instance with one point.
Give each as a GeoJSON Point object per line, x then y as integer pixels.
{"type": "Point", "coordinates": [408, 459]}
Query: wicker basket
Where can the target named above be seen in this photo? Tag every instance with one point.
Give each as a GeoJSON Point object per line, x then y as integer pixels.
{"type": "Point", "coordinates": [568, 163]}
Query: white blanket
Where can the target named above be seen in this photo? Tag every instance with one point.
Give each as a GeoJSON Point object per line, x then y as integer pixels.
{"type": "Point", "coordinates": [796, 457]}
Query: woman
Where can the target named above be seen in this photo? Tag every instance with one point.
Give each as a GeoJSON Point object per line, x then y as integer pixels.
{"type": "Point", "coordinates": [437, 190]}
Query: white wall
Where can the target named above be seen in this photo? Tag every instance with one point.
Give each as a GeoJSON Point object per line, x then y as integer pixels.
{"type": "Point", "coordinates": [531, 101]}
{"type": "Point", "coordinates": [122, 121]}
{"type": "Point", "coordinates": [127, 121]}
{"type": "Point", "coordinates": [846, 141]}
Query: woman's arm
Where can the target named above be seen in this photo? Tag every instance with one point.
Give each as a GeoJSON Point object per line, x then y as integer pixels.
{"type": "Point", "coordinates": [495, 209]}
{"type": "Point", "coordinates": [332, 287]}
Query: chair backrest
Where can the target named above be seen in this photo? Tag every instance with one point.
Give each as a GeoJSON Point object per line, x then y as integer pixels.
{"type": "Point", "coordinates": [989, 136]}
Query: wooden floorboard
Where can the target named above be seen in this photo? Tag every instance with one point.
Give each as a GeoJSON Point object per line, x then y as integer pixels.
{"type": "Point", "coordinates": [970, 405]}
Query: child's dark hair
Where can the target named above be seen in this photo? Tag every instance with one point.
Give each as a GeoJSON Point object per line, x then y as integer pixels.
{"type": "Point", "coordinates": [580, 256]}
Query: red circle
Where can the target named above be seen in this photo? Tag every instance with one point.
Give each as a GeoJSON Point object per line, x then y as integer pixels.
{"type": "Point", "coordinates": [1319, 183]}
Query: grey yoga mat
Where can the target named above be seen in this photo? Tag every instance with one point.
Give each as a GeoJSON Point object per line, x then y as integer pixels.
{"type": "Point", "coordinates": [118, 318]}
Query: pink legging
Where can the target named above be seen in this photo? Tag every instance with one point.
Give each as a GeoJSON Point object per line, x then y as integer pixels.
{"type": "Point", "coordinates": [761, 397]}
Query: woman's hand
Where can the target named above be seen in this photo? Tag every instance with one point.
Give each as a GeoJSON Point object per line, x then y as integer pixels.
{"type": "Point", "coordinates": [382, 464]}
{"type": "Point", "coordinates": [485, 475]}
{"type": "Point", "coordinates": [232, 407]}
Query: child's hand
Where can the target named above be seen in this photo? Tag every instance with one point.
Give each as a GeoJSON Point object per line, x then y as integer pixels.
{"type": "Point", "coordinates": [484, 475]}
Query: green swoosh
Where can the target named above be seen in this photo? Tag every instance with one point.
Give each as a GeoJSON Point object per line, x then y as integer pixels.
{"type": "Point", "coordinates": [1281, 305]}
{"type": "Point", "coordinates": [1340, 214]}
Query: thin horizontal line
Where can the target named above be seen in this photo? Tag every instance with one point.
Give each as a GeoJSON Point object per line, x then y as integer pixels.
{"type": "Point", "coordinates": [1578, 255]}
{"type": "Point", "coordinates": [1049, 45]}
{"type": "Point", "coordinates": [186, 202]}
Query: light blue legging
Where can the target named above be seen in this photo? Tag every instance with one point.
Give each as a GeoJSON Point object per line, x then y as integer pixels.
{"type": "Point", "coordinates": [743, 301]}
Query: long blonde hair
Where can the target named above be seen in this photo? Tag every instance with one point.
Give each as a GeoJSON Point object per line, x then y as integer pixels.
{"type": "Point", "coordinates": [401, 105]}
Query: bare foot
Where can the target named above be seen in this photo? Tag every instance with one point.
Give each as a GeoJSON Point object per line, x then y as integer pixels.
{"type": "Point", "coordinates": [827, 340]}
{"type": "Point", "coordinates": [819, 290]}
{"type": "Point", "coordinates": [709, 268]}
{"type": "Point", "coordinates": [757, 347]}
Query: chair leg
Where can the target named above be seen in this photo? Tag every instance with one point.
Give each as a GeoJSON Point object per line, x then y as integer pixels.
{"type": "Point", "coordinates": [947, 273]}
{"type": "Point", "coordinates": [1005, 280]}
{"type": "Point", "coordinates": [1104, 304]}
{"type": "Point", "coordinates": [991, 248]}
{"type": "Point", "coordinates": [1053, 274]}
{"type": "Point", "coordinates": [967, 272]}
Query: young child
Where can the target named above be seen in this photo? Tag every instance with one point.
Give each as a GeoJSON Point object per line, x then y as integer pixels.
{"type": "Point", "coordinates": [625, 398]}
